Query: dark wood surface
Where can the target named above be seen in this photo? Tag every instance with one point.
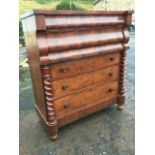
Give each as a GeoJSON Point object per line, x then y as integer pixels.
{"type": "Point", "coordinates": [80, 53]}
{"type": "Point", "coordinates": [58, 41]}
{"type": "Point", "coordinates": [77, 62]}
{"type": "Point", "coordinates": [33, 59]}
{"type": "Point", "coordinates": [72, 13]}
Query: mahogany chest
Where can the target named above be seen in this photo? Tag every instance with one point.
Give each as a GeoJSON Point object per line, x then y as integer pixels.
{"type": "Point", "coordinates": [77, 62]}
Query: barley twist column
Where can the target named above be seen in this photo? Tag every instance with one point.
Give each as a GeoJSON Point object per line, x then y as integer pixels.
{"type": "Point", "coordinates": [51, 120]}
{"type": "Point", "coordinates": [121, 97]}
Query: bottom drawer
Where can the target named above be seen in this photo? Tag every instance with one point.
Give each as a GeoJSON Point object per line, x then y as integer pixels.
{"type": "Point", "coordinates": [86, 97]}
{"type": "Point", "coordinates": [85, 111]}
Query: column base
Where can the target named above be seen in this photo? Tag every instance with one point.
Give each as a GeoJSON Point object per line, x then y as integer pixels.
{"type": "Point", "coordinates": [53, 128]}
{"type": "Point", "coordinates": [54, 137]}
{"type": "Point", "coordinates": [120, 107]}
{"type": "Point", "coordinates": [121, 102]}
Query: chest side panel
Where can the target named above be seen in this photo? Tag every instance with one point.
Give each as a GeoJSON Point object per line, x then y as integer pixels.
{"type": "Point", "coordinates": [33, 59]}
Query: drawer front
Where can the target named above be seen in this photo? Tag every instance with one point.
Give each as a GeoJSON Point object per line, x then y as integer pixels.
{"type": "Point", "coordinates": [84, 98]}
{"type": "Point", "coordinates": [65, 69]}
{"type": "Point", "coordinates": [67, 85]}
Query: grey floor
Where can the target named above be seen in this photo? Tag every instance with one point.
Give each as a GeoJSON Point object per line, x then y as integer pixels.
{"type": "Point", "coordinates": [108, 132]}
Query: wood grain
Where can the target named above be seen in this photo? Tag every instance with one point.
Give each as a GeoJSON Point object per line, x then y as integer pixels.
{"type": "Point", "coordinates": [84, 80]}
{"type": "Point", "coordinates": [75, 54]}
{"type": "Point", "coordinates": [84, 98]}
{"type": "Point", "coordinates": [33, 58]}
{"type": "Point", "coordinates": [85, 111]}
{"type": "Point", "coordinates": [59, 41]}
{"type": "Point", "coordinates": [84, 65]}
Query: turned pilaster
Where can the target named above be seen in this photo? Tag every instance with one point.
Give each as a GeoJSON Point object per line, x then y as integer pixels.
{"type": "Point", "coordinates": [51, 120]}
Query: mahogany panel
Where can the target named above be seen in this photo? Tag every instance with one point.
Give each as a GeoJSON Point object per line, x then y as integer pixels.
{"type": "Point", "coordinates": [70, 84]}
{"type": "Point", "coordinates": [58, 41]}
{"type": "Point", "coordinates": [66, 19]}
{"type": "Point", "coordinates": [70, 68]}
{"type": "Point", "coordinates": [89, 96]}
{"type": "Point", "coordinates": [33, 58]}
{"type": "Point", "coordinates": [75, 12]}
{"type": "Point", "coordinates": [82, 21]}
{"type": "Point", "coordinates": [80, 53]}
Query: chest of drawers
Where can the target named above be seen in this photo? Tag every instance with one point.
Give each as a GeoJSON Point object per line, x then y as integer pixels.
{"type": "Point", "coordinates": [77, 62]}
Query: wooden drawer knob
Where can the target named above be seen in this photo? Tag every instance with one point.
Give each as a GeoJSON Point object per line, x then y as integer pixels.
{"type": "Point", "coordinates": [112, 58]}
{"type": "Point", "coordinates": [64, 70]}
{"type": "Point", "coordinates": [110, 90]}
{"type": "Point", "coordinates": [110, 74]}
{"type": "Point", "coordinates": [64, 86]}
{"type": "Point", "coordinates": [66, 106]}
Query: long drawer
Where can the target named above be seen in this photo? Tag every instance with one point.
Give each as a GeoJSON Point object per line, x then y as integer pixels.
{"type": "Point", "coordinates": [75, 67]}
{"type": "Point", "coordinates": [89, 96]}
{"type": "Point", "coordinates": [67, 85]}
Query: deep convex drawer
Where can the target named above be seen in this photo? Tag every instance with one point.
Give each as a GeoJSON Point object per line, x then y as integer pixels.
{"type": "Point", "coordinates": [70, 84]}
{"type": "Point", "coordinates": [92, 95]}
{"type": "Point", "coordinates": [70, 68]}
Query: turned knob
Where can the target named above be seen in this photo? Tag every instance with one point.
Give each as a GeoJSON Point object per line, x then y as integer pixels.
{"type": "Point", "coordinates": [64, 70]}
{"type": "Point", "coordinates": [112, 58]}
{"type": "Point", "coordinates": [66, 106]}
{"type": "Point", "coordinates": [110, 90]}
{"type": "Point", "coordinates": [64, 86]}
{"type": "Point", "coordinates": [110, 74]}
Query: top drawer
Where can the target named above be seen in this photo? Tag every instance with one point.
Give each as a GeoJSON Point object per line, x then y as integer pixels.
{"type": "Point", "coordinates": [70, 68]}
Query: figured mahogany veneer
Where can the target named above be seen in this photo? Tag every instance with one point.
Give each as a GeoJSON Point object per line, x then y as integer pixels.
{"type": "Point", "coordinates": [77, 62]}
{"type": "Point", "coordinates": [85, 97]}
{"type": "Point", "coordinates": [78, 66]}
{"type": "Point", "coordinates": [70, 84]}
